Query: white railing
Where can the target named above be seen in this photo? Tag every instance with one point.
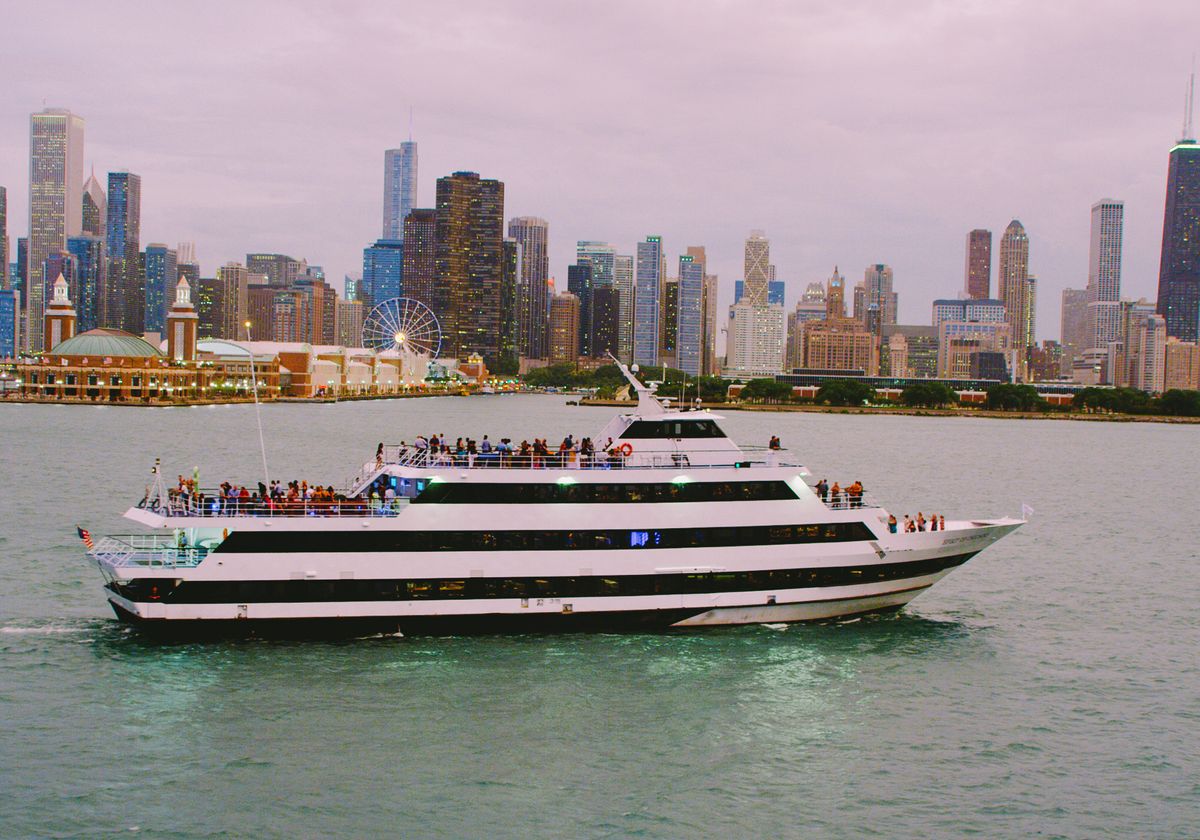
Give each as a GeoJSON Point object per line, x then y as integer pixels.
{"type": "Point", "coordinates": [215, 505]}
{"type": "Point", "coordinates": [148, 550]}
{"type": "Point", "coordinates": [845, 501]}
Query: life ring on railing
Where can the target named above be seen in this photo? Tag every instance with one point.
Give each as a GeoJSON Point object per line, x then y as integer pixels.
{"type": "Point", "coordinates": [626, 450]}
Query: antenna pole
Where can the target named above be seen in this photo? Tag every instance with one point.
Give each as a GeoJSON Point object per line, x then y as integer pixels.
{"type": "Point", "coordinates": [262, 446]}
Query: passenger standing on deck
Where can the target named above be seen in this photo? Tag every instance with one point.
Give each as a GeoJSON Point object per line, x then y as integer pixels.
{"type": "Point", "coordinates": [836, 494]}
{"type": "Point", "coordinates": [823, 490]}
{"type": "Point", "coordinates": [920, 521]}
{"type": "Point", "coordinates": [891, 523]}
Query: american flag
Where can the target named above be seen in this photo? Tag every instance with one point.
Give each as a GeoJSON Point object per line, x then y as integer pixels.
{"type": "Point", "coordinates": [86, 537]}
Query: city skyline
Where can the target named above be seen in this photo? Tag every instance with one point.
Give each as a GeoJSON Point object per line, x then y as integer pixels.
{"type": "Point", "coordinates": [303, 177]}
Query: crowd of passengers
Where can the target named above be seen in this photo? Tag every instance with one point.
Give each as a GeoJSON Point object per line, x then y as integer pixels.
{"type": "Point", "coordinates": [436, 450]}
{"type": "Point", "coordinates": [294, 498]}
{"type": "Point", "coordinates": [851, 496]}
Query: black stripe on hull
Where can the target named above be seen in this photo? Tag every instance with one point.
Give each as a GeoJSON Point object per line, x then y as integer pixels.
{"type": "Point", "coordinates": [494, 624]}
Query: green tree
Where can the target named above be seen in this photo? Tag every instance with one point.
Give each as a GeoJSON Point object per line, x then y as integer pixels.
{"type": "Point", "coordinates": [844, 392]}
{"type": "Point", "coordinates": [766, 390]}
{"type": "Point", "coordinates": [1008, 397]}
{"type": "Point", "coordinates": [1180, 403]}
{"type": "Point", "coordinates": [928, 394]}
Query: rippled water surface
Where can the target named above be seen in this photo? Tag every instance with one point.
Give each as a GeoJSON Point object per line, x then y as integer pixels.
{"type": "Point", "coordinates": [1049, 687]}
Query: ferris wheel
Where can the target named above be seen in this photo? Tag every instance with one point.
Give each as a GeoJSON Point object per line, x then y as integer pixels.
{"type": "Point", "coordinates": [405, 325]}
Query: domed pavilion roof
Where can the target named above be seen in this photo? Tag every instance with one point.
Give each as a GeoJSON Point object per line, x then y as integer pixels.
{"type": "Point", "coordinates": [105, 342]}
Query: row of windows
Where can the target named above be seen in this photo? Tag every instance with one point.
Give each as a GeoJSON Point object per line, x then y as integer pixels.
{"type": "Point", "coordinates": [256, 542]}
{"type": "Point", "coordinates": [276, 591]}
{"type": "Point", "coordinates": [498, 494]}
{"type": "Point", "coordinates": [643, 429]}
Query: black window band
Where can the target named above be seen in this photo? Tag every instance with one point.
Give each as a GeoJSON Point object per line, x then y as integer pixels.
{"type": "Point", "coordinates": [168, 590]}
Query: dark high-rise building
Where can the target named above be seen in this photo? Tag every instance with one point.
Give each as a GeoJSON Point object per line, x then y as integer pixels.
{"type": "Point", "coordinates": [161, 271]}
{"type": "Point", "coordinates": [606, 321]}
{"type": "Point", "coordinates": [1179, 267]}
{"type": "Point", "coordinates": [383, 272]}
{"type": "Point", "coordinates": [21, 279]}
{"type": "Point", "coordinates": [260, 303]}
{"type": "Point", "coordinates": [533, 307]}
{"type": "Point", "coordinates": [509, 315]}
{"type": "Point", "coordinates": [95, 211]}
{"type": "Point", "coordinates": [209, 303]}
{"type": "Point", "coordinates": [123, 304]}
{"type": "Point", "coordinates": [470, 262]}
{"type": "Point", "coordinates": [280, 269]}
{"type": "Point", "coordinates": [189, 271]}
{"type": "Point", "coordinates": [978, 274]}
{"type": "Point", "coordinates": [4, 281]}
{"type": "Point", "coordinates": [90, 263]}
{"type": "Point", "coordinates": [579, 283]}
{"type": "Point", "coordinates": [670, 320]}
{"type": "Point", "coordinates": [420, 260]}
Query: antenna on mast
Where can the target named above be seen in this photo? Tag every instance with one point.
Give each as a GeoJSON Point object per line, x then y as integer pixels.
{"type": "Point", "coordinates": [1189, 102]}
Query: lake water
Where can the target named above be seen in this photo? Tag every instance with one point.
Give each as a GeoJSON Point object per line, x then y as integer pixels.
{"type": "Point", "coordinates": [1049, 687]}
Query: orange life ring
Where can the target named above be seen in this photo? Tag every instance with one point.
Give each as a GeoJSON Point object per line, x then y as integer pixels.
{"type": "Point", "coordinates": [626, 449]}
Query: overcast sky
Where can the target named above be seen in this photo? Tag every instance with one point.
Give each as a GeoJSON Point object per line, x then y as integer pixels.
{"type": "Point", "coordinates": [851, 132]}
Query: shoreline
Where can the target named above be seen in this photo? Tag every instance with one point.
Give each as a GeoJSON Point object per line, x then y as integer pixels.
{"type": "Point", "coordinates": [931, 412]}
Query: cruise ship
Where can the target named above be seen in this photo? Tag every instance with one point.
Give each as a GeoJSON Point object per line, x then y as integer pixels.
{"type": "Point", "coordinates": [668, 525]}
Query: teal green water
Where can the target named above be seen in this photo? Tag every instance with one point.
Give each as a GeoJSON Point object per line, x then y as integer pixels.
{"type": "Point", "coordinates": [1049, 687]}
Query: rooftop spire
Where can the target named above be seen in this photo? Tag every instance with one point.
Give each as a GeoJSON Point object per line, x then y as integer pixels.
{"type": "Point", "coordinates": [1186, 136]}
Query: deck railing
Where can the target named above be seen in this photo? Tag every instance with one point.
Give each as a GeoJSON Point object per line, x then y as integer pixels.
{"type": "Point", "coordinates": [212, 505]}
{"type": "Point", "coordinates": [149, 550]}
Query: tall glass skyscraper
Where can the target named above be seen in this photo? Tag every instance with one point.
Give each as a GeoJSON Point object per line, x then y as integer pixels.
{"type": "Point", "coordinates": [648, 281]}
{"type": "Point", "coordinates": [689, 346]}
{"type": "Point", "coordinates": [162, 273]}
{"type": "Point", "coordinates": [623, 283]}
{"type": "Point", "coordinates": [55, 204]}
{"type": "Point", "coordinates": [88, 252]}
{"type": "Point", "coordinates": [1179, 267]}
{"type": "Point", "coordinates": [4, 281]}
{"type": "Point", "coordinates": [399, 188]}
{"type": "Point", "coordinates": [123, 300]}
{"type": "Point", "coordinates": [95, 209]}
{"type": "Point", "coordinates": [383, 272]}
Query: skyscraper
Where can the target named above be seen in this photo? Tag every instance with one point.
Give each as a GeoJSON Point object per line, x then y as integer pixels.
{"type": "Point", "coordinates": [978, 276]}
{"type": "Point", "coordinates": [880, 302]}
{"type": "Point", "coordinates": [647, 283]}
{"type": "Point", "coordinates": [4, 281]}
{"type": "Point", "coordinates": [94, 211]}
{"type": "Point", "coordinates": [757, 336]}
{"type": "Point", "coordinates": [708, 313]}
{"type": "Point", "coordinates": [579, 283]}
{"type": "Point", "coordinates": [1074, 325]}
{"type": "Point", "coordinates": [626, 292]}
{"type": "Point", "coordinates": [55, 204]}
{"type": "Point", "coordinates": [1104, 272]}
{"type": "Point", "coordinates": [91, 266]}
{"type": "Point", "coordinates": [383, 272]}
{"type": "Point", "coordinates": [279, 269]}
{"type": "Point", "coordinates": [232, 298]}
{"type": "Point", "coordinates": [564, 328]}
{"type": "Point", "coordinates": [420, 262]}
{"type": "Point", "coordinates": [757, 262]}
{"type": "Point", "coordinates": [399, 188]}
{"type": "Point", "coordinates": [162, 276]}
{"type": "Point", "coordinates": [123, 303]}
{"type": "Point", "coordinates": [1179, 266]}
{"type": "Point", "coordinates": [533, 235]}
{"type": "Point", "coordinates": [689, 333]}
{"type": "Point", "coordinates": [470, 262]}
{"type": "Point", "coordinates": [1014, 288]}
{"type": "Point", "coordinates": [509, 357]}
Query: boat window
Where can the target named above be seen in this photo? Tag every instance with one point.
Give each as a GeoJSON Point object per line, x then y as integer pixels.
{"type": "Point", "coordinates": [275, 591]}
{"type": "Point", "coordinates": [645, 429]}
{"type": "Point", "coordinates": [581, 493]}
